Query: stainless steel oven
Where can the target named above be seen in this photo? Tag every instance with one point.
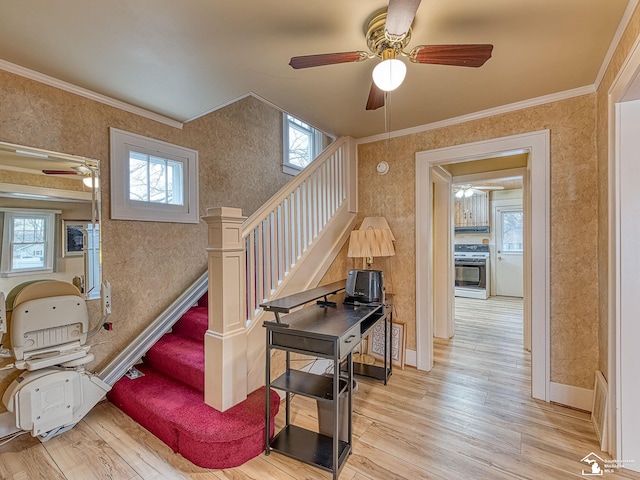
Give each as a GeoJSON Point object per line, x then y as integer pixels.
{"type": "Point", "coordinates": [472, 270]}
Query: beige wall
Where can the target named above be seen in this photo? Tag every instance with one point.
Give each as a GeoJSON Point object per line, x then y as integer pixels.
{"type": "Point", "coordinates": [149, 264]}
{"type": "Point", "coordinates": [574, 219]}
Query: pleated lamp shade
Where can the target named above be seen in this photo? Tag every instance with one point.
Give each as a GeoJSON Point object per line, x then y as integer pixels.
{"type": "Point", "coordinates": [370, 241]}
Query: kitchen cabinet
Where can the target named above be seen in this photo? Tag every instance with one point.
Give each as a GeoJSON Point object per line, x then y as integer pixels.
{"type": "Point", "coordinates": [471, 214]}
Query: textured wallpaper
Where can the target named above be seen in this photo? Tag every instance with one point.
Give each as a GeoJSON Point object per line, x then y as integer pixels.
{"type": "Point", "coordinates": [574, 221]}
{"type": "Point", "coordinates": [149, 264]}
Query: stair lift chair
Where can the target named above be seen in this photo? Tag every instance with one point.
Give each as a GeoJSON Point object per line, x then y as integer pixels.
{"type": "Point", "coordinates": [48, 331]}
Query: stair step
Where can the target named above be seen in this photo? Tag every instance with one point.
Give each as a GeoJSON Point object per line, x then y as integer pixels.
{"type": "Point", "coordinates": [177, 415]}
{"type": "Point", "coordinates": [193, 324]}
{"type": "Point", "coordinates": [179, 357]}
{"type": "Point", "coordinates": [204, 300]}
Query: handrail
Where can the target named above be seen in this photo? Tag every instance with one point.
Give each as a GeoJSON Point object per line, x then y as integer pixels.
{"type": "Point", "coordinates": [257, 216]}
{"type": "Point", "coordinates": [150, 335]}
{"type": "Point", "coordinates": [278, 234]}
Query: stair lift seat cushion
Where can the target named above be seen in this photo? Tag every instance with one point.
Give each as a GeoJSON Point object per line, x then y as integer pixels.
{"type": "Point", "coordinates": [48, 329]}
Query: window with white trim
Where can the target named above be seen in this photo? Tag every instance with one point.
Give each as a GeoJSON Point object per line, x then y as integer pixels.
{"type": "Point", "coordinates": [27, 242]}
{"type": "Point", "coordinates": [302, 144]}
{"type": "Point", "coordinates": [152, 180]}
{"type": "Point", "coordinates": [512, 231]}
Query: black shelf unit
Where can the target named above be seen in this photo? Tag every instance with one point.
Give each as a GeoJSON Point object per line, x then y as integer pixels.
{"type": "Point", "coordinates": [331, 329]}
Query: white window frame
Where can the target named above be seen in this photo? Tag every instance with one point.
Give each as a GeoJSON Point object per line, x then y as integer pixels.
{"type": "Point", "coordinates": [315, 138]}
{"type": "Point", "coordinates": [6, 264]}
{"type": "Point", "coordinates": [123, 208]}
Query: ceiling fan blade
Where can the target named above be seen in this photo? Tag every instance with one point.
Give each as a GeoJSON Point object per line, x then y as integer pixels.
{"type": "Point", "coordinates": [60, 172]}
{"type": "Point", "coordinates": [470, 55]}
{"type": "Point", "coordinates": [321, 59]}
{"type": "Point", "coordinates": [400, 15]}
{"type": "Point", "coordinates": [376, 98]}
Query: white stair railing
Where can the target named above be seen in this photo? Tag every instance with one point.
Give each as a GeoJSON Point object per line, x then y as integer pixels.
{"type": "Point", "coordinates": [288, 243]}
{"type": "Point", "coordinates": [278, 235]}
{"type": "Point", "coordinates": [277, 239]}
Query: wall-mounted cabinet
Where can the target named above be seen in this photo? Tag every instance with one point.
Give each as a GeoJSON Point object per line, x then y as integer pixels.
{"type": "Point", "coordinates": [471, 214]}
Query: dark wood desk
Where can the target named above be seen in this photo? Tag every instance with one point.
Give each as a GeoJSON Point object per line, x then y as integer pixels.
{"type": "Point", "coordinates": [331, 329]}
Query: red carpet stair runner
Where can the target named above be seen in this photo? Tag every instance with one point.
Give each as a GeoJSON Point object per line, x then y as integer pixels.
{"type": "Point", "coordinates": [169, 401]}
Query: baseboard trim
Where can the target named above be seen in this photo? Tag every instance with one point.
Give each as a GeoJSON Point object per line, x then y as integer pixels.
{"type": "Point", "coordinates": [410, 358]}
{"type": "Point", "coordinates": [576, 397]}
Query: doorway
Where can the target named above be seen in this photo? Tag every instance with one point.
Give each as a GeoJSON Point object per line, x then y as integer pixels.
{"type": "Point", "coordinates": [536, 258]}
{"type": "Point", "coordinates": [488, 250]}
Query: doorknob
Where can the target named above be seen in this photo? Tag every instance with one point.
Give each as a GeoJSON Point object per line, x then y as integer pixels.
{"type": "Point", "coordinates": [499, 258]}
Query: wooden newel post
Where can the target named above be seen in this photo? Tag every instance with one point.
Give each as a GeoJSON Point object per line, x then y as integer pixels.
{"type": "Point", "coordinates": [225, 343]}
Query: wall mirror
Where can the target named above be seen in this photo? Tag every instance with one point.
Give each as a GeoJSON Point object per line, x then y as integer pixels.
{"type": "Point", "coordinates": [49, 219]}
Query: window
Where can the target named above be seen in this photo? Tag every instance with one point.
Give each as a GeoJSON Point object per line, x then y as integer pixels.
{"type": "Point", "coordinates": [27, 242]}
{"type": "Point", "coordinates": [302, 144]}
{"type": "Point", "coordinates": [512, 233]}
{"type": "Point", "coordinates": [152, 180]}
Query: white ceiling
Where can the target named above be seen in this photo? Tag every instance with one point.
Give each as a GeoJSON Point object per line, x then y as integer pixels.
{"type": "Point", "coordinates": [184, 58]}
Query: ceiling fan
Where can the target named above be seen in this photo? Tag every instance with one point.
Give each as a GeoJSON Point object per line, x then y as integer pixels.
{"type": "Point", "coordinates": [82, 170]}
{"type": "Point", "coordinates": [388, 33]}
{"type": "Point", "coordinates": [74, 170]}
{"type": "Point", "coordinates": [468, 190]}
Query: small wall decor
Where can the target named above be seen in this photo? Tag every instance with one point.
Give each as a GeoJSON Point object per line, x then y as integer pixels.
{"type": "Point", "coordinates": [73, 237]}
{"type": "Point", "coordinates": [398, 343]}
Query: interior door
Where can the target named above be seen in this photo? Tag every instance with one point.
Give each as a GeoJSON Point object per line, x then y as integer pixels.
{"type": "Point", "coordinates": [508, 224]}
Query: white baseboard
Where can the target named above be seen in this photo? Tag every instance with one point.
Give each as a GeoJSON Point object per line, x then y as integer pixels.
{"type": "Point", "coordinates": [410, 357]}
{"type": "Point", "coordinates": [576, 397]}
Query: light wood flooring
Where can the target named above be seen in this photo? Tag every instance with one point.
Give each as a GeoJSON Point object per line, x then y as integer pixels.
{"type": "Point", "coordinates": [470, 418]}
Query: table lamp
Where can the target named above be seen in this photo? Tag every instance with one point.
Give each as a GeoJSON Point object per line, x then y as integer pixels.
{"type": "Point", "coordinates": [373, 239]}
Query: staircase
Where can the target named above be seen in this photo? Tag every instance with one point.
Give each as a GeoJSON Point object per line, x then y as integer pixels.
{"type": "Point", "coordinates": [216, 353]}
{"type": "Point", "coordinates": [169, 400]}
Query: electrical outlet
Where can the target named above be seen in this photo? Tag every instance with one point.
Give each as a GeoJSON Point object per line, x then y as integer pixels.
{"type": "Point", "coordinates": [106, 298]}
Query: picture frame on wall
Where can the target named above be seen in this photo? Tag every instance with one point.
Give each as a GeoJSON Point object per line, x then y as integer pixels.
{"type": "Point", "coordinates": [73, 237]}
{"type": "Point", "coordinates": [398, 343]}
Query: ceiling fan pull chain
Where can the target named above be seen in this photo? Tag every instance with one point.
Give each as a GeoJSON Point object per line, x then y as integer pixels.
{"type": "Point", "coordinates": [387, 118]}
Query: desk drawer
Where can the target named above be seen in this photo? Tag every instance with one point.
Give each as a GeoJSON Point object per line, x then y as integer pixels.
{"type": "Point", "coordinates": [304, 344]}
{"type": "Point", "coordinates": [349, 340]}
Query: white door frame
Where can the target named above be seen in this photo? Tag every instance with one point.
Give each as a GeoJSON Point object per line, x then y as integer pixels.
{"type": "Point", "coordinates": [536, 203]}
{"type": "Point", "coordinates": [623, 227]}
{"type": "Point", "coordinates": [443, 291]}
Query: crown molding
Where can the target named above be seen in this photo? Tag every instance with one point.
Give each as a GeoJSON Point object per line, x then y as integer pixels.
{"type": "Point", "coordinates": [83, 92]}
{"type": "Point", "coordinates": [622, 26]}
{"type": "Point", "coordinates": [491, 112]}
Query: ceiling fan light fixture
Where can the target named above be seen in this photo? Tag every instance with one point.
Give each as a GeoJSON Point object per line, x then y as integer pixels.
{"type": "Point", "coordinates": [460, 193]}
{"type": "Point", "coordinates": [468, 192]}
{"type": "Point", "coordinates": [91, 182]}
{"type": "Point", "coordinates": [389, 74]}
